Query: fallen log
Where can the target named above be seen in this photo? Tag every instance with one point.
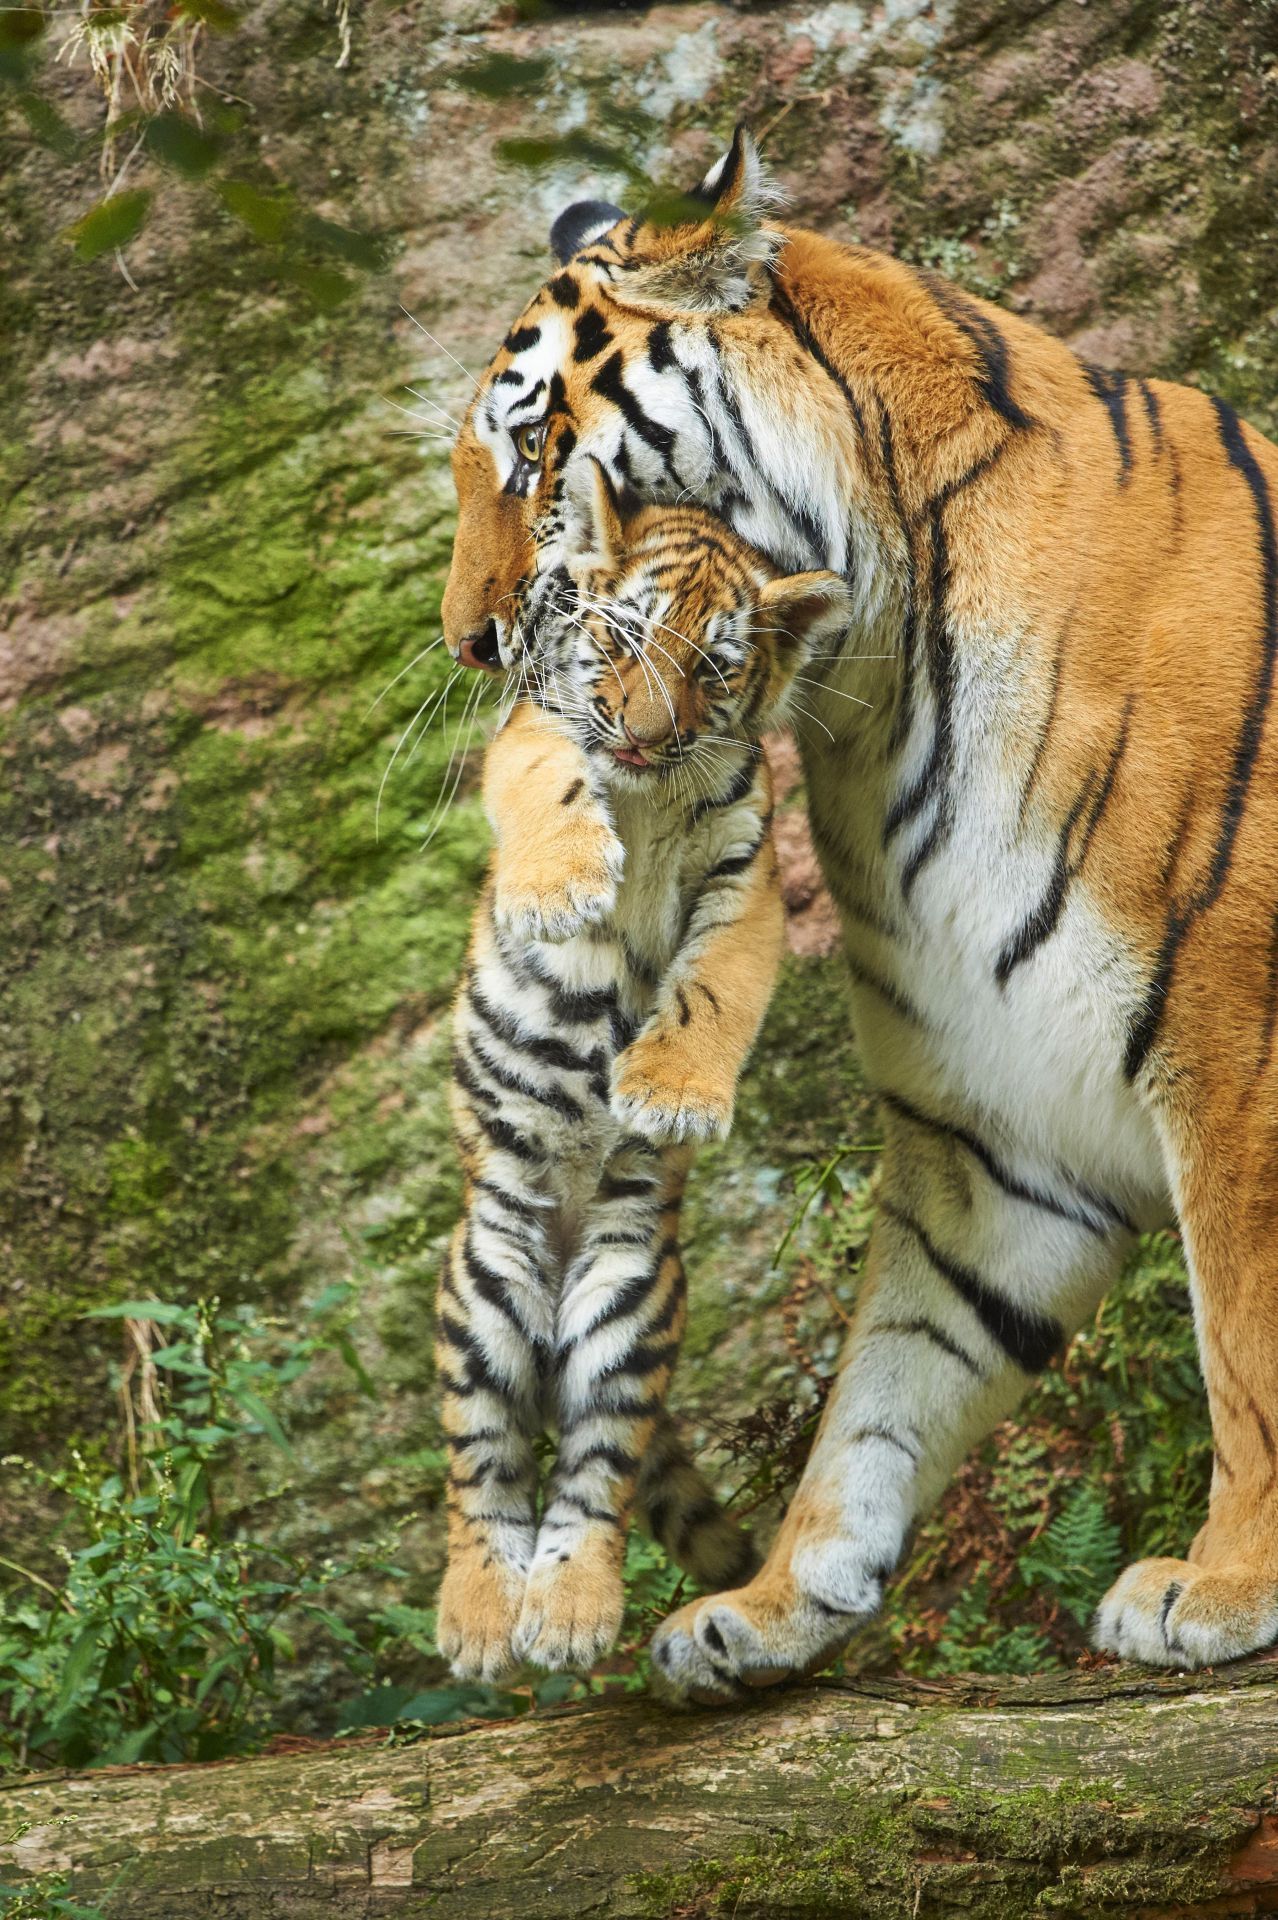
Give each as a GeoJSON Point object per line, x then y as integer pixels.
{"type": "Point", "coordinates": [1106, 1792]}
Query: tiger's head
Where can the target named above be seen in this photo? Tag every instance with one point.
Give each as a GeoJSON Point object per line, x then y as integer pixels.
{"type": "Point", "coordinates": [673, 645]}
{"type": "Point", "coordinates": [623, 356]}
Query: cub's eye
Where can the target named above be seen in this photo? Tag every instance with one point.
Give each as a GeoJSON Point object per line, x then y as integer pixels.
{"type": "Point", "coordinates": [528, 441]}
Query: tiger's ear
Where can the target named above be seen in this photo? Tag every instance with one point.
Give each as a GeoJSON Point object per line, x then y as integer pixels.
{"type": "Point", "coordinates": [708, 251]}
{"type": "Point", "coordinates": [804, 609]}
{"type": "Point", "coordinates": [596, 530]}
{"type": "Point", "coordinates": [579, 224]}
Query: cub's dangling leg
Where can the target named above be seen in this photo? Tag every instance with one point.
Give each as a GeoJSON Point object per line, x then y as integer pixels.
{"type": "Point", "coordinates": [619, 1325]}
{"type": "Point", "coordinates": [976, 1275]}
{"type": "Point", "coordinates": [493, 1348]}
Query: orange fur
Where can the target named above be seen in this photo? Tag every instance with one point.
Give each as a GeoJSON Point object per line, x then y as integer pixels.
{"type": "Point", "coordinates": [1111, 546]}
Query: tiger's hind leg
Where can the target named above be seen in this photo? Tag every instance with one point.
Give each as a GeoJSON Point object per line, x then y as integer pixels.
{"type": "Point", "coordinates": [677, 1506]}
{"type": "Point", "coordinates": [620, 1321]}
{"type": "Point", "coordinates": [1221, 1601]}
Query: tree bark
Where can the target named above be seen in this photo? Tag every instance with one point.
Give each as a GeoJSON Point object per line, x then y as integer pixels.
{"type": "Point", "coordinates": [1111, 1792]}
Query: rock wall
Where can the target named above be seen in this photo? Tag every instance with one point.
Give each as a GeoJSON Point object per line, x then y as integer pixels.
{"type": "Point", "coordinates": [226, 982]}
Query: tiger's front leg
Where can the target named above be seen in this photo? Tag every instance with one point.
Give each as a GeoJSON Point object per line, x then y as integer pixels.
{"type": "Point", "coordinates": [619, 1325]}
{"type": "Point", "coordinates": [559, 860]}
{"type": "Point", "coordinates": [972, 1285]}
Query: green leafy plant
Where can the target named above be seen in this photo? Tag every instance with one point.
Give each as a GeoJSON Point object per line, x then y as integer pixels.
{"type": "Point", "coordinates": [974, 1639]}
{"type": "Point", "coordinates": [160, 116]}
{"type": "Point", "coordinates": [1078, 1555]}
{"type": "Point", "coordinates": [162, 1639]}
{"type": "Point", "coordinates": [48, 1898]}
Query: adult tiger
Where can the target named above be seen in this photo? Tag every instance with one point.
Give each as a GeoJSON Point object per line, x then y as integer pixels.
{"type": "Point", "coordinates": [1053, 840]}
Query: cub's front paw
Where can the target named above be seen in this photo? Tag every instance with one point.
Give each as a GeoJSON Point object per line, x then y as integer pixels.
{"type": "Point", "coordinates": [661, 1092]}
{"type": "Point", "coordinates": [479, 1603]}
{"type": "Point", "coordinates": [572, 1610]}
{"type": "Point", "coordinates": [569, 883]}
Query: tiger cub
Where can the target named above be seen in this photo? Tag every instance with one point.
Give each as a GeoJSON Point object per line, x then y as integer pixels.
{"type": "Point", "coordinates": [619, 968]}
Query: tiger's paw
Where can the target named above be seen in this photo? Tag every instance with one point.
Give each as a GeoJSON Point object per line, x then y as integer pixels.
{"type": "Point", "coordinates": [1175, 1613]}
{"type": "Point", "coordinates": [567, 884]}
{"type": "Point", "coordinates": [572, 1609]}
{"type": "Point", "coordinates": [479, 1603]}
{"type": "Point", "coordinates": [666, 1097]}
{"type": "Point", "coordinates": [720, 1650]}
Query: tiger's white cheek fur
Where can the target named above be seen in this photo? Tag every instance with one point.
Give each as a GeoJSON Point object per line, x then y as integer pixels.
{"type": "Point", "coordinates": [519, 394]}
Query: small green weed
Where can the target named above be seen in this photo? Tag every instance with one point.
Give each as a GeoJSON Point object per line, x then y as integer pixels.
{"type": "Point", "coordinates": [161, 1640]}
{"type": "Point", "coordinates": [47, 1898]}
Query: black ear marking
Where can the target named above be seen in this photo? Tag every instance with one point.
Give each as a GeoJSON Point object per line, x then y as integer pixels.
{"type": "Point", "coordinates": [579, 224]}
{"type": "Point", "coordinates": [725, 173]}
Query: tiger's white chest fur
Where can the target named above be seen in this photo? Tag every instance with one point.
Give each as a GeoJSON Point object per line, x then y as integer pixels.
{"type": "Point", "coordinates": [1028, 1054]}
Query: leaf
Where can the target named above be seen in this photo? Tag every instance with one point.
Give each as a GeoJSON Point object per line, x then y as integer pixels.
{"type": "Point", "coordinates": [326, 286]}
{"type": "Point", "coordinates": [175, 1359]}
{"type": "Point", "coordinates": [19, 26]}
{"type": "Point", "coordinates": [258, 1411]}
{"type": "Point", "coordinates": [48, 126]}
{"type": "Point", "coordinates": [214, 1674]}
{"type": "Point", "coordinates": [538, 153]}
{"type": "Point", "coordinates": [126, 1751]}
{"type": "Point", "coordinates": [109, 225]}
{"type": "Point", "coordinates": [211, 13]}
{"type": "Point", "coordinates": [180, 144]}
{"type": "Point", "coordinates": [346, 1347]}
{"type": "Point", "coordinates": [267, 216]}
{"type": "Point", "coordinates": [501, 74]}
{"type": "Point", "coordinates": [163, 1312]}
{"type": "Point", "coordinates": [79, 1663]}
{"type": "Point", "coordinates": [360, 249]}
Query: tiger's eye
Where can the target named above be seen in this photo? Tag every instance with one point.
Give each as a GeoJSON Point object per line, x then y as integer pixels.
{"type": "Point", "coordinates": [528, 441]}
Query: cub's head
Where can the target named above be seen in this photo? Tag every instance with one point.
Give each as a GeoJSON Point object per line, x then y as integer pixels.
{"type": "Point", "coordinates": [672, 644]}
{"type": "Point", "coordinates": [613, 358]}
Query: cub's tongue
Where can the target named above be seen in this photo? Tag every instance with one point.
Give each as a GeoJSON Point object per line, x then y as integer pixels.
{"type": "Point", "coordinates": [630, 757]}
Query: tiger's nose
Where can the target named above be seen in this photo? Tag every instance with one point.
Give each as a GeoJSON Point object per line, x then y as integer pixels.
{"type": "Point", "coordinates": [482, 650]}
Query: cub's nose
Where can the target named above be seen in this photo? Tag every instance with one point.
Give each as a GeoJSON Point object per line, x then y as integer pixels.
{"type": "Point", "coordinates": [481, 650]}
{"type": "Point", "coordinates": [650, 732]}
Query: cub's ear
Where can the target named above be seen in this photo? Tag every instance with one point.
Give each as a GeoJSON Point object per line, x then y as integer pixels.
{"type": "Point", "coordinates": [580, 224]}
{"type": "Point", "coordinates": [708, 251]}
{"type": "Point", "coordinates": [596, 530]}
{"type": "Point", "coordinates": [804, 609]}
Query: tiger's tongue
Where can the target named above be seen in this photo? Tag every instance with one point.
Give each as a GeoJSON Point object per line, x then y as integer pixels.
{"type": "Point", "coordinates": [630, 757]}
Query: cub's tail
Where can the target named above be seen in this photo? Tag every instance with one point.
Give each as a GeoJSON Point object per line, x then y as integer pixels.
{"type": "Point", "coordinates": [677, 1507]}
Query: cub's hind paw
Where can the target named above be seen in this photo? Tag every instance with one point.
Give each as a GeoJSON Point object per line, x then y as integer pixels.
{"type": "Point", "coordinates": [572, 1612]}
{"type": "Point", "coordinates": [479, 1604]}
